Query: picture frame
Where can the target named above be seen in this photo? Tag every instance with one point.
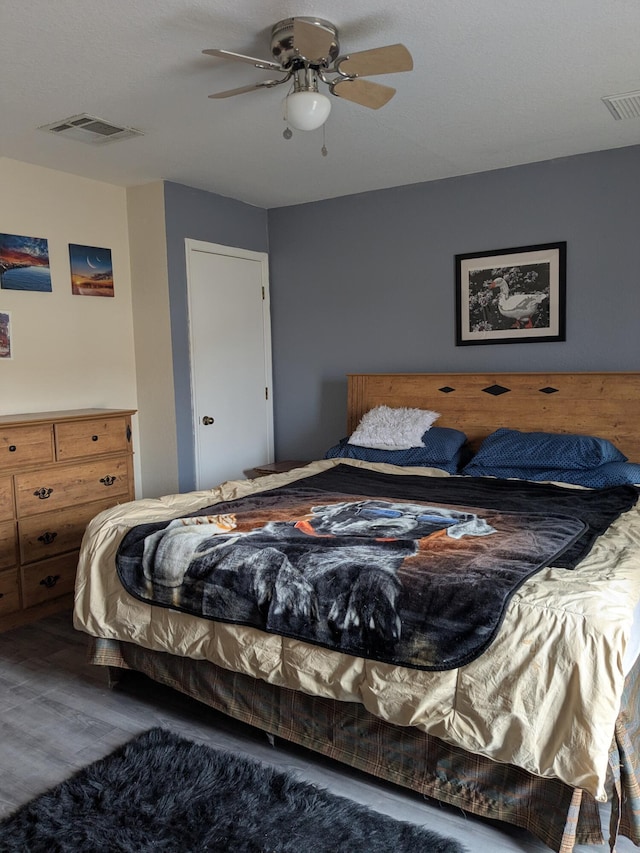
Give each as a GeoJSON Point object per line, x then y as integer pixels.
{"type": "Point", "coordinates": [24, 263]}
{"type": "Point", "coordinates": [509, 296]}
{"type": "Point", "coordinates": [6, 349]}
{"type": "Point", "coordinates": [91, 270]}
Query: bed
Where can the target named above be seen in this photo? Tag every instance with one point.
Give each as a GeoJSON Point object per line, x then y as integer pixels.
{"type": "Point", "coordinates": [467, 731]}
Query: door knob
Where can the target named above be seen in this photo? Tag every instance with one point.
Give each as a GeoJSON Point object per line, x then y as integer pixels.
{"type": "Point", "coordinates": [207, 420]}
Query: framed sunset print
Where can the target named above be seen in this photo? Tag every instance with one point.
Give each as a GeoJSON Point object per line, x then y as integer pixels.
{"type": "Point", "coordinates": [24, 263]}
{"type": "Point", "coordinates": [91, 270]}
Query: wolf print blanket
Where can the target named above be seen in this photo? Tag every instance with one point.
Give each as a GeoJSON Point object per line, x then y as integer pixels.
{"type": "Point", "coordinates": [405, 570]}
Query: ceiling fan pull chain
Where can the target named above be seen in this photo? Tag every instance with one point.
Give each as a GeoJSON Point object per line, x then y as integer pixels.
{"type": "Point", "coordinates": [324, 141]}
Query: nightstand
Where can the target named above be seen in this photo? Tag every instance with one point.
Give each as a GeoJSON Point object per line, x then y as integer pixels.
{"type": "Point", "coordinates": [274, 468]}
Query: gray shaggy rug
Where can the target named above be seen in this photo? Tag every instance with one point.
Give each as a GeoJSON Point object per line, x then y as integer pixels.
{"type": "Point", "coordinates": [161, 792]}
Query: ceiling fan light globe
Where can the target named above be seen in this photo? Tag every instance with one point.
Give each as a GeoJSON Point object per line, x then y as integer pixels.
{"type": "Point", "coordinates": [306, 110]}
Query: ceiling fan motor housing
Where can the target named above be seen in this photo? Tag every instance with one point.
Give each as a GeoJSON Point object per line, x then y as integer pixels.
{"type": "Point", "coordinates": [284, 50]}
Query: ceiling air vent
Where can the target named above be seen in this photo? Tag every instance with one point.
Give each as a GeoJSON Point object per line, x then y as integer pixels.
{"type": "Point", "coordinates": [86, 128]}
{"type": "Point", "coordinates": [623, 106]}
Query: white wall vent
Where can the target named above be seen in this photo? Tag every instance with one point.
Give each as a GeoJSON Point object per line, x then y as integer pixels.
{"type": "Point", "coordinates": [623, 106]}
{"type": "Point", "coordinates": [86, 128]}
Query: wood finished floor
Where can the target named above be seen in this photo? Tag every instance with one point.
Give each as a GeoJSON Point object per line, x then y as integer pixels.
{"type": "Point", "coordinates": [58, 714]}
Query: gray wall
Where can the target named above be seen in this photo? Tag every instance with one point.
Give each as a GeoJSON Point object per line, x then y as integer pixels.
{"type": "Point", "coordinates": [198, 215]}
{"type": "Point", "coordinates": [365, 283]}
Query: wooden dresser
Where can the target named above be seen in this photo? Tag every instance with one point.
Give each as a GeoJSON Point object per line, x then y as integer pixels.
{"type": "Point", "coordinates": [57, 471]}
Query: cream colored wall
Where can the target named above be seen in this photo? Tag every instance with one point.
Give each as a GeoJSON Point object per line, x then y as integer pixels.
{"type": "Point", "coordinates": [152, 335]}
{"type": "Point", "coordinates": [69, 351]}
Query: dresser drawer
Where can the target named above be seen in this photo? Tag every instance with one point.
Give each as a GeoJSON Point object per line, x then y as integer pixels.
{"type": "Point", "coordinates": [79, 439]}
{"type": "Point", "coordinates": [71, 485]}
{"type": "Point", "coordinates": [50, 533]}
{"type": "Point", "coordinates": [7, 544]}
{"type": "Point", "coordinates": [25, 445]}
{"type": "Point", "coordinates": [6, 498]}
{"type": "Point", "coordinates": [9, 592]}
{"type": "Point", "coordinates": [48, 579]}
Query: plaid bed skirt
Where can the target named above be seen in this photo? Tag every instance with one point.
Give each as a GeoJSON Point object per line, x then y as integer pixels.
{"type": "Point", "coordinates": [558, 815]}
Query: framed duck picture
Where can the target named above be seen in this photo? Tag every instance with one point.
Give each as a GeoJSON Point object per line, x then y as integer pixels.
{"type": "Point", "coordinates": [511, 296]}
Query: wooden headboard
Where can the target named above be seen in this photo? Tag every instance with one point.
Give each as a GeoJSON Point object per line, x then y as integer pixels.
{"type": "Point", "coordinates": [602, 404]}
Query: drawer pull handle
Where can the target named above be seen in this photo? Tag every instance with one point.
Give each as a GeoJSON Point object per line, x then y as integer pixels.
{"type": "Point", "coordinates": [50, 581]}
{"type": "Point", "coordinates": [94, 438]}
{"type": "Point", "coordinates": [12, 448]}
{"type": "Point", "coordinates": [42, 494]}
{"type": "Point", "coordinates": [108, 480]}
{"type": "Point", "coordinates": [47, 538]}
{"type": "Point", "coordinates": [1, 594]}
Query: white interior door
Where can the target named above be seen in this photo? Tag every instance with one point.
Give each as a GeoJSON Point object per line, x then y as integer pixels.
{"type": "Point", "coordinates": [230, 341]}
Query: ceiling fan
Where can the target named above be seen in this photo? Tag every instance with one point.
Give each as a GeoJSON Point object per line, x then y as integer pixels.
{"type": "Point", "coordinates": [307, 52]}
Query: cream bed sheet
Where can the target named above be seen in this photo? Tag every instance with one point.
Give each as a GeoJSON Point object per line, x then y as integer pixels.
{"type": "Point", "coordinates": [545, 696]}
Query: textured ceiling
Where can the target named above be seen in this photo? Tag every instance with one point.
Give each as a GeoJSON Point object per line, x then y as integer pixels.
{"type": "Point", "coordinates": [496, 83]}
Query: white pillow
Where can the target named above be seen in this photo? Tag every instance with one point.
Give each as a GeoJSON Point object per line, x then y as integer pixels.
{"type": "Point", "coordinates": [387, 428]}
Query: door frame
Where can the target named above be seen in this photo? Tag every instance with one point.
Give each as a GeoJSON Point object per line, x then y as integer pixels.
{"type": "Point", "coordinates": [191, 246]}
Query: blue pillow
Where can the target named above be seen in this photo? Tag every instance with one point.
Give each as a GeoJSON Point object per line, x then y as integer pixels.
{"type": "Point", "coordinates": [544, 450]}
{"type": "Point", "coordinates": [609, 474]}
{"type": "Point", "coordinates": [441, 448]}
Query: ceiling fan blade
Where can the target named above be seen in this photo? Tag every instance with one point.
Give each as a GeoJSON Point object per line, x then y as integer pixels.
{"type": "Point", "coordinates": [264, 84]}
{"type": "Point", "coordinates": [378, 60]}
{"type": "Point", "coordinates": [240, 57]}
{"type": "Point", "coordinates": [372, 95]}
{"type": "Point", "coordinates": [312, 41]}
